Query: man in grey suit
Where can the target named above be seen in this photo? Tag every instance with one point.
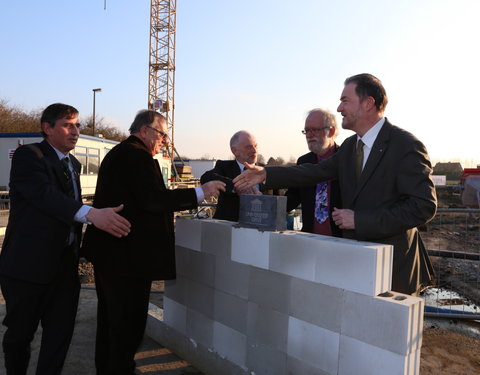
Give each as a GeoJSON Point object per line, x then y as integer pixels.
{"type": "Point", "coordinates": [385, 181]}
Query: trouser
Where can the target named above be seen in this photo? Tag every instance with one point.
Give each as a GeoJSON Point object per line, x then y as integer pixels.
{"type": "Point", "coordinates": [121, 320]}
{"type": "Point", "coordinates": [54, 305]}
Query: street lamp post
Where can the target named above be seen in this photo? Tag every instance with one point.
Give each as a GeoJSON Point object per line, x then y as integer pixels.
{"type": "Point", "coordinates": [93, 119]}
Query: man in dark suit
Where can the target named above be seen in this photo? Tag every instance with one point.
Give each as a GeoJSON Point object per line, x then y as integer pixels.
{"type": "Point", "coordinates": [317, 201]}
{"type": "Point", "coordinates": [244, 147]}
{"type": "Point", "coordinates": [39, 258]}
{"type": "Point", "coordinates": [385, 182]}
{"type": "Point", "coordinates": [125, 267]}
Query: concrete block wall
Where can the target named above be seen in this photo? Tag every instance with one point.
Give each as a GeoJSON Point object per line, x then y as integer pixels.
{"type": "Point", "coordinates": [289, 303]}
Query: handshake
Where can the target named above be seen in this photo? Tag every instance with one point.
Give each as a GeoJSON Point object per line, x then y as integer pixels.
{"type": "Point", "coordinates": [213, 188]}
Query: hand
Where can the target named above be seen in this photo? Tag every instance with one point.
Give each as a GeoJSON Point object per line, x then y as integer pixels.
{"type": "Point", "coordinates": [344, 218]}
{"type": "Point", "coordinates": [109, 221]}
{"type": "Point", "coordinates": [213, 188]}
{"type": "Point", "coordinates": [252, 190]}
{"type": "Point", "coordinates": [252, 176]}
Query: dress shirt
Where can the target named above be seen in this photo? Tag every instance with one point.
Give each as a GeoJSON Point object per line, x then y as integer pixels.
{"type": "Point", "coordinates": [80, 215]}
{"type": "Point", "coordinates": [242, 168]}
{"type": "Point", "coordinates": [369, 138]}
{"type": "Point", "coordinates": [200, 194]}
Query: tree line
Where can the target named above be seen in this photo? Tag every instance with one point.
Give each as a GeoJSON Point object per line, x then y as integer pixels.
{"type": "Point", "coordinates": [261, 160]}
{"type": "Point", "coordinates": [15, 120]}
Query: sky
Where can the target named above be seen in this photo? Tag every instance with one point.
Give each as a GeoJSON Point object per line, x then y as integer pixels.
{"type": "Point", "coordinates": [258, 65]}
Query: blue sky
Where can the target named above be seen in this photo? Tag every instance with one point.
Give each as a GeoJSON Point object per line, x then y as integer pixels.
{"type": "Point", "coordinates": [258, 65]}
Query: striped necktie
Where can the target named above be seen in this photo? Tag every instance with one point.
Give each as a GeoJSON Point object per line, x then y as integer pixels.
{"type": "Point", "coordinates": [68, 176]}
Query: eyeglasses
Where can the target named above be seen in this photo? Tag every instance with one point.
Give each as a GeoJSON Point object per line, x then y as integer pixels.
{"type": "Point", "coordinates": [164, 135]}
{"type": "Point", "coordinates": [314, 131]}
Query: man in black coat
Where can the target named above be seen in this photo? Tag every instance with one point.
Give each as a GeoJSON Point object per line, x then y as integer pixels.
{"type": "Point", "coordinates": [317, 201]}
{"type": "Point", "coordinates": [244, 147]}
{"type": "Point", "coordinates": [39, 258]}
{"type": "Point", "coordinates": [385, 181]}
{"type": "Point", "coordinates": [125, 267]}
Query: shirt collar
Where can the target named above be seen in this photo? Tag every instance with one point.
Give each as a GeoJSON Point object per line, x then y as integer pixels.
{"type": "Point", "coordinates": [370, 136]}
{"type": "Point", "coordinates": [59, 154]}
{"type": "Point", "coordinates": [240, 165]}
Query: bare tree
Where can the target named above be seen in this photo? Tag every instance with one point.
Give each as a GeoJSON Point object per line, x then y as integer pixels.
{"type": "Point", "coordinates": [260, 159]}
{"type": "Point", "coordinates": [15, 120]}
{"type": "Point", "coordinates": [101, 127]}
{"type": "Point", "coordinates": [291, 161]}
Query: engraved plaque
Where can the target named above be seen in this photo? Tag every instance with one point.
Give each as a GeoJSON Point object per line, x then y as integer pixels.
{"type": "Point", "coordinates": [265, 212]}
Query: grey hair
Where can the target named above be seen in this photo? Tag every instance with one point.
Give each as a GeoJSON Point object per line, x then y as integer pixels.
{"type": "Point", "coordinates": [236, 137]}
{"type": "Point", "coordinates": [329, 118]}
{"type": "Point", "coordinates": [144, 117]}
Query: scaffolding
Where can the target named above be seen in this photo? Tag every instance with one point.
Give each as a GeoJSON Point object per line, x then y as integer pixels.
{"type": "Point", "coordinates": [161, 77]}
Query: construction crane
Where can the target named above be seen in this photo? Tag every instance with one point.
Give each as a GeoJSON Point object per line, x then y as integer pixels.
{"type": "Point", "coordinates": [161, 77]}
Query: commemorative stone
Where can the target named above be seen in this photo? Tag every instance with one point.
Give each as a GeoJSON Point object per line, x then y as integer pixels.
{"type": "Point", "coordinates": [264, 212]}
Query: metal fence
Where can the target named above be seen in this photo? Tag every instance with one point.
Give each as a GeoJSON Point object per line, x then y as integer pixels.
{"type": "Point", "coordinates": [453, 242]}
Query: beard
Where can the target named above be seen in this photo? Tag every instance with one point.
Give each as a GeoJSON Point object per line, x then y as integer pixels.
{"type": "Point", "coordinates": [319, 147]}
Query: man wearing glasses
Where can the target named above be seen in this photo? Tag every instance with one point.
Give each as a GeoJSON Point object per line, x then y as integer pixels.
{"type": "Point", "coordinates": [124, 268]}
{"type": "Point", "coordinates": [384, 173]}
{"type": "Point", "coordinates": [317, 201]}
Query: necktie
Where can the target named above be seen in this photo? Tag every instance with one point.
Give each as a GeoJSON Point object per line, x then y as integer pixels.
{"type": "Point", "coordinates": [68, 176]}
{"type": "Point", "coordinates": [359, 159]}
{"type": "Point", "coordinates": [321, 202]}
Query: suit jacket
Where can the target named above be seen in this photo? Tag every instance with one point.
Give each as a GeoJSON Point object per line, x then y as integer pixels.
{"type": "Point", "coordinates": [129, 175]}
{"type": "Point", "coordinates": [395, 195]}
{"type": "Point", "coordinates": [41, 215]}
{"type": "Point", "coordinates": [228, 206]}
{"type": "Point", "coordinates": [305, 196]}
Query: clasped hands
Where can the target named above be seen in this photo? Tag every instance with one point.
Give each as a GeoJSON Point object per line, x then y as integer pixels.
{"type": "Point", "coordinates": [343, 218]}
{"type": "Point", "coordinates": [213, 188]}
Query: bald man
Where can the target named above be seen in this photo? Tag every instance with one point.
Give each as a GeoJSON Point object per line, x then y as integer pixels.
{"type": "Point", "coordinates": [244, 147]}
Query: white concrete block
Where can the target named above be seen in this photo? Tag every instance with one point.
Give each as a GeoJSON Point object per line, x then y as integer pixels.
{"type": "Point", "coordinates": [293, 254]}
{"type": "Point", "coordinates": [314, 345]}
{"type": "Point", "coordinates": [201, 267]}
{"type": "Point", "coordinates": [182, 260]}
{"type": "Point", "coordinates": [230, 344]}
{"type": "Point", "coordinates": [231, 311]}
{"type": "Point", "coordinates": [392, 323]}
{"type": "Point", "coordinates": [217, 237]}
{"type": "Point", "coordinates": [264, 359]}
{"type": "Point", "coordinates": [385, 268]}
{"type": "Point", "coordinates": [357, 357]}
{"type": "Point", "coordinates": [356, 266]}
{"type": "Point", "coordinates": [176, 289]}
{"type": "Point", "coordinates": [251, 246]}
{"type": "Point", "coordinates": [270, 290]}
{"type": "Point", "coordinates": [267, 326]}
{"type": "Point", "coordinates": [232, 277]}
{"type": "Point", "coordinates": [200, 298]}
{"type": "Point", "coordinates": [199, 328]}
{"type": "Point", "coordinates": [188, 233]}
{"type": "Point", "coordinates": [316, 303]}
{"type": "Point", "coordinates": [174, 315]}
